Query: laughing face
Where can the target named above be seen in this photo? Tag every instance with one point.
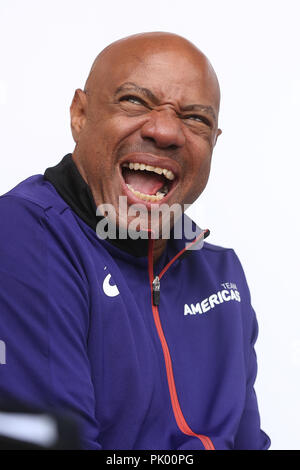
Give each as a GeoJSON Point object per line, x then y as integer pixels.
{"type": "Point", "coordinates": [146, 123]}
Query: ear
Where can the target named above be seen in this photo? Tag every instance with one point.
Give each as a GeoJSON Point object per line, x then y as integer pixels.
{"type": "Point", "coordinates": [219, 132]}
{"type": "Point", "coordinates": [78, 112]}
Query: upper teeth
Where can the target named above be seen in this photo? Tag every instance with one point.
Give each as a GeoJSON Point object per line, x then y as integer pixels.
{"type": "Point", "coordinates": [156, 169]}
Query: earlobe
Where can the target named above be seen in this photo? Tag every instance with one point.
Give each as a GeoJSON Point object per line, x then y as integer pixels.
{"type": "Point", "coordinates": [78, 113]}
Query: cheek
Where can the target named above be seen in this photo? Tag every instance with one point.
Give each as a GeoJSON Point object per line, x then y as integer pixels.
{"type": "Point", "coordinates": [108, 135]}
{"type": "Point", "coordinates": [199, 176]}
{"type": "Point", "coordinates": [199, 160]}
{"type": "Point", "coordinates": [198, 169]}
{"type": "Point", "coordinates": [96, 148]}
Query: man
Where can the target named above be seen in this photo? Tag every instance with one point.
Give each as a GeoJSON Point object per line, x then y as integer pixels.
{"type": "Point", "coordinates": [148, 348]}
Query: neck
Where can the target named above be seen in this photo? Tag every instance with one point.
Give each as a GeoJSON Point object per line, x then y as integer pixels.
{"type": "Point", "coordinates": [158, 248]}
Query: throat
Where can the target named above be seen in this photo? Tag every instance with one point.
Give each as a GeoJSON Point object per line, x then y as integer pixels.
{"type": "Point", "coordinates": [158, 249]}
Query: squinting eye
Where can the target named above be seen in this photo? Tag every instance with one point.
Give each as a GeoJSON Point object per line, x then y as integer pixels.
{"type": "Point", "coordinates": [196, 117]}
{"type": "Point", "coordinates": [132, 99]}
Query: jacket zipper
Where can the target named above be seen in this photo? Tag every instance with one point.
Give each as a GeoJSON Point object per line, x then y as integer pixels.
{"type": "Point", "coordinates": [155, 294]}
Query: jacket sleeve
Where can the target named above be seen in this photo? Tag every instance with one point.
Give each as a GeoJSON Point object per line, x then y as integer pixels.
{"type": "Point", "coordinates": [43, 311]}
{"type": "Point", "coordinates": [249, 435]}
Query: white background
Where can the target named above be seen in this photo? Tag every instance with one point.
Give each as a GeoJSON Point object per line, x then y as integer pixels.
{"type": "Point", "coordinates": [252, 200]}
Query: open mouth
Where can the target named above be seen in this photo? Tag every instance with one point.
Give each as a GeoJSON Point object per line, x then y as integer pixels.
{"type": "Point", "coordinates": [146, 182]}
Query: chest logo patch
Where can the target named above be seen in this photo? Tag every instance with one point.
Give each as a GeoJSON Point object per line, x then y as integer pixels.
{"type": "Point", "coordinates": [111, 290]}
{"type": "Point", "coordinates": [227, 293]}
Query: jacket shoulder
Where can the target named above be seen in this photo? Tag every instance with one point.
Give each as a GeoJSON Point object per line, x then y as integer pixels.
{"type": "Point", "coordinates": [216, 248]}
{"type": "Point", "coordinates": [34, 191]}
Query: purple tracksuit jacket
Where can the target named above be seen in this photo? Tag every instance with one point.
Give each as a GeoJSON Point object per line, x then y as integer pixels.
{"type": "Point", "coordinates": [82, 333]}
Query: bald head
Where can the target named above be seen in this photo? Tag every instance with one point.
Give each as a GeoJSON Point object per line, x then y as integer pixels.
{"type": "Point", "coordinates": [137, 47]}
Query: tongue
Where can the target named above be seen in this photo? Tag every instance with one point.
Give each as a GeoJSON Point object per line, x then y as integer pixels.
{"type": "Point", "coordinates": [144, 181]}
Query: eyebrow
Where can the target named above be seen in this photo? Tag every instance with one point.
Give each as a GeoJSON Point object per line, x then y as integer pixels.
{"type": "Point", "coordinates": [146, 92]}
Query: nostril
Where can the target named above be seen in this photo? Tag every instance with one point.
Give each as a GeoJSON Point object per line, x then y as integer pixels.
{"type": "Point", "coordinates": [149, 139]}
{"type": "Point", "coordinates": [158, 144]}
{"type": "Point", "coordinates": [173, 147]}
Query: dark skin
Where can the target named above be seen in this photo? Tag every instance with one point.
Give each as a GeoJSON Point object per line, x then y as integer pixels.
{"type": "Point", "coordinates": [151, 98]}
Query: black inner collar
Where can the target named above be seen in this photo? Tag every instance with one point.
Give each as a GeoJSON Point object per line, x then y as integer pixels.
{"type": "Point", "coordinates": [70, 185]}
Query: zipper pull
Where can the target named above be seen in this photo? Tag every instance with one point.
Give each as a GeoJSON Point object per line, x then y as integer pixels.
{"type": "Point", "coordinates": [156, 290]}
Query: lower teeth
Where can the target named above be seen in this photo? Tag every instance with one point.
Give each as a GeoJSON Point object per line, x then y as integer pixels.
{"type": "Point", "coordinates": [148, 197]}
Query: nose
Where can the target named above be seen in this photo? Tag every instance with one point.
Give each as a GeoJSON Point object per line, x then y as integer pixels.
{"type": "Point", "coordinates": [164, 128]}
